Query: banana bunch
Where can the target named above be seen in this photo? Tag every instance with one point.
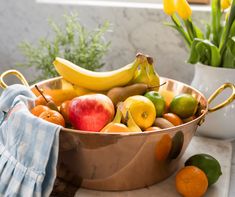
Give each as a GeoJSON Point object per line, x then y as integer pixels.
{"type": "Point", "coordinates": [97, 81]}
{"type": "Point", "coordinates": [147, 75]}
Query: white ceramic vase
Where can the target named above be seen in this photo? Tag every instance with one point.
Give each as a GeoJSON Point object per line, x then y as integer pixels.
{"type": "Point", "coordinates": [221, 123]}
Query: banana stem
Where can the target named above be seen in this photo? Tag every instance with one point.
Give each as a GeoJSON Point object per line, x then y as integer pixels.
{"type": "Point", "coordinates": [152, 87]}
{"type": "Point", "coordinates": [140, 59]}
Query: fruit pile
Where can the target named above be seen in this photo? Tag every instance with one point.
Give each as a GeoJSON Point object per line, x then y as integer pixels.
{"type": "Point", "coordinates": [125, 100]}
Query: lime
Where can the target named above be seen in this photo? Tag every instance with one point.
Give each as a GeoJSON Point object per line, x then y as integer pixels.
{"type": "Point", "coordinates": [158, 102]}
{"type": "Point", "coordinates": [184, 105]}
{"type": "Point", "coordinates": [208, 164]}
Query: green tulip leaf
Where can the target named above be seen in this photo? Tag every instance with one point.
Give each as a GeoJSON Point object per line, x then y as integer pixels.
{"type": "Point", "coordinates": [228, 59]}
{"type": "Point", "coordinates": [231, 45]}
{"type": "Point", "coordinates": [216, 21]}
{"type": "Point", "coordinates": [229, 54]}
{"type": "Point", "coordinates": [205, 52]}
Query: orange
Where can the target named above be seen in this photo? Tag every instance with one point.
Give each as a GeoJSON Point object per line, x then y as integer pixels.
{"type": "Point", "coordinates": [173, 118]}
{"type": "Point", "coordinates": [115, 127]}
{"type": "Point", "coordinates": [163, 147]}
{"type": "Point", "coordinates": [53, 116]}
{"type": "Point", "coordinates": [142, 110]}
{"type": "Point", "coordinates": [191, 182]}
{"type": "Point", "coordinates": [37, 110]}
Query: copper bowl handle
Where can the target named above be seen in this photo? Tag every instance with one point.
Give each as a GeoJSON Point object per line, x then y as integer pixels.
{"type": "Point", "coordinates": [12, 72]}
{"type": "Point", "coordinates": [217, 92]}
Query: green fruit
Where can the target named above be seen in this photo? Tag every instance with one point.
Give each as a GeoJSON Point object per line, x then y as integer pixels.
{"type": "Point", "coordinates": [158, 102]}
{"type": "Point", "coordinates": [208, 164]}
{"type": "Point", "coordinates": [184, 105]}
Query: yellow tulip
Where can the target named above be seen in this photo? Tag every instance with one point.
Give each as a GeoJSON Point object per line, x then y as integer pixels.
{"type": "Point", "coordinates": [183, 9]}
{"type": "Point", "coordinates": [225, 4]}
{"type": "Point", "coordinates": [169, 7]}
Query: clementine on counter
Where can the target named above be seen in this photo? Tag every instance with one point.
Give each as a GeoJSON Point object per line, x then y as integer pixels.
{"type": "Point", "coordinates": [191, 182]}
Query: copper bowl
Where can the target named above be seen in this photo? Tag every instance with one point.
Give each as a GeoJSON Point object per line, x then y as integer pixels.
{"type": "Point", "coordinates": [127, 161]}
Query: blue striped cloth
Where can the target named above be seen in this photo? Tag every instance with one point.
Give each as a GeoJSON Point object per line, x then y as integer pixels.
{"type": "Point", "coordinates": [28, 147]}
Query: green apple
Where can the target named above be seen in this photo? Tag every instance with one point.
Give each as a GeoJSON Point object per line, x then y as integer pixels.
{"type": "Point", "coordinates": [158, 102]}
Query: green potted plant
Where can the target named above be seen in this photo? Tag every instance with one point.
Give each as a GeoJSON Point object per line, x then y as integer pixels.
{"type": "Point", "coordinates": [213, 53]}
{"type": "Point", "coordinates": [72, 41]}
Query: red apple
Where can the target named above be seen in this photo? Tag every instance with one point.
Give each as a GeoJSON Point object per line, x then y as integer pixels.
{"type": "Point", "coordinates": [91, 112]}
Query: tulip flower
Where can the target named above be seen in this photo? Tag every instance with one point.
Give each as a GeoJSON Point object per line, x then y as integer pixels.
{"type": "Point", "coordinates": [169, 7]}
{"type": "Point", "coordinates": [225, 4]}
{"type": "Point", "coordinates": [183, 9]}
{"type": "Point", "coordinates": [216, 46]}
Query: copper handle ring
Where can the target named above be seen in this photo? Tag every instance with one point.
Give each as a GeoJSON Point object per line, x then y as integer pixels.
{"type": "Point", "coordinates": [217, 92]}
{"type": "Point", "coordinates": [12, 72]}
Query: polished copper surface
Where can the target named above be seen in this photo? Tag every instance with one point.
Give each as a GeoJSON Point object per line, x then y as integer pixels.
{"type": "Point", "coordinates": [125, 161]}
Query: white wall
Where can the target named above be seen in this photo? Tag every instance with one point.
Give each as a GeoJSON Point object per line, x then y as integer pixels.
{"type": "Point", "coordinates": [134, 29]}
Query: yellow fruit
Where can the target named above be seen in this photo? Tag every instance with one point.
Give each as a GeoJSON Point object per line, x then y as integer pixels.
{"type": "Point", "coordinates": [97, 81]}
{"type": "Point", "coordinates": [141, 75]}
{"type": "Point", "coordinates": [154, 80]}
{"type": "Point", "coordinates": [146, 74]}
{"type": "Point", "coordinates": [142, 110]}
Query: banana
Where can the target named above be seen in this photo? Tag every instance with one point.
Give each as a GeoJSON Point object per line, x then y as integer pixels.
{"type": "Point", "coordinates": [141, 75]}
{"type": "Point", "coordinates": [97, 81]}
{"type": "Point", "coordinates": [132, 126]}
{"type": "Point", "coordinates": [154, 80]}
{"type": "Point", "coordinates": [146, 74]}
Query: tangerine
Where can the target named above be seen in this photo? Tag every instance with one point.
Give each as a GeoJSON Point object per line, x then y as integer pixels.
{"type": "Point", "coordinates": [191, 182]}
{"type": "Point", "coordinates": [53, 116]}
{"type": "Point", "coordinates": [37, 110]}
{"type": "Point", "coordinates": [173, 118]}
{"type": "Point", "coordinates": [115, 128]}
